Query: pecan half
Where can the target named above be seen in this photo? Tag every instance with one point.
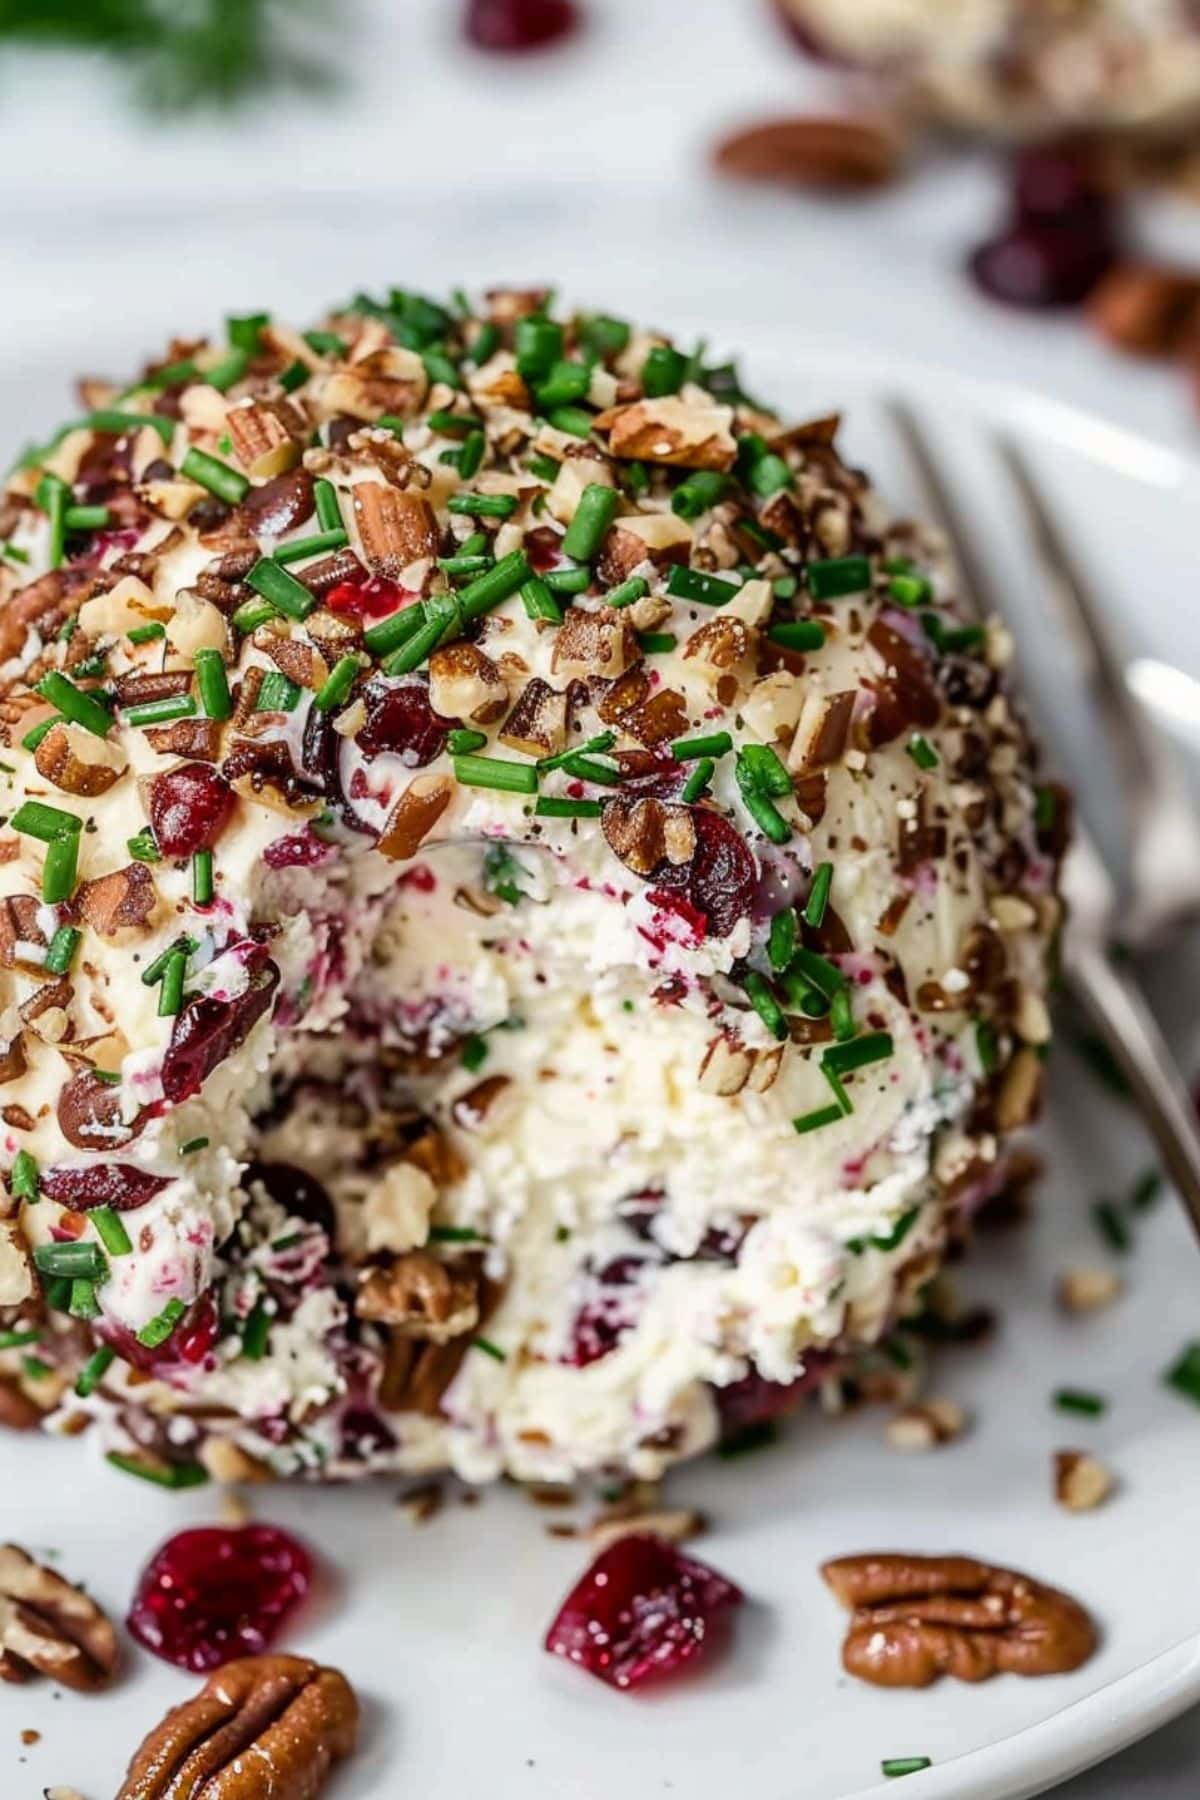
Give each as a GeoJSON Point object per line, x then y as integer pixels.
{"type": "Point", "coordinates": [414, 816]}
{"type": "Point", "coordinates": [77, 761]}
{"type": "Point", "coordinates": [915, 1618]}
{"type": "Point", "coordinates": [594, 643]}
{"type": "Point", "coordinates": [397, 529]}
{"type": "Point", "coordinates": [420, 1297]}
{"type": "Point", "coordinates": [537, 724]}
{"type": "Point", "coordinates": [464, 683]}
{"type": "Point", "coordinates": [264, 1724]}
{"type": "Point", "coordinates": [126, 898]}
{"type": "Point", "coordinates": [671, 431]}
{"type": "Point", "coordinates": [841, 154]}
{"type": "Point", "coordinates": [267, 436]}
{"type": "Point", "coordinates": [822, 732]}
{"type": "Point", "coordinates": [22, 940]}
{"type": "Point", "coordinates": [50, 1628]}
{"type": "Point", "coordinates": [1146, 309]}
{"type": "Point", "coordinates": [643, 833]}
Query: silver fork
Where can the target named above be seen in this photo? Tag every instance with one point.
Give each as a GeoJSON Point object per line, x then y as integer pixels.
{"type": "Point", "coordinates": [1160, 816]}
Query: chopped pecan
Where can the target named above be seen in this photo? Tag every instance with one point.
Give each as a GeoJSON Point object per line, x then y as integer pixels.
{"type": "Point", "coordinates": [1081, 1482]}
{"type": "Point", "coordinates": [657, 719]}
{"type": "Point", "coordinates": [267, 435]}
{"type": "Point", "coordinates": [77, 761]}
{"type": "Point", "coordinates": [13, 1064]}
{"type": "Point", "coordinates": [1146, 308]}
{"type": "Point", "coordinates": [670, 430]}
{"type": "Point", "coordinates": [414, 816]}
{"type": "Point", "coordinates": [17, 1411]}
{"type": "Point", "coordinates": [464, 683]}
{"type": "Point", "coordinates": [198, 740]}
{"type": "Point", "coordinates": [658, 538]}
{"type": "Point", "coordinates": [719, 645]}
{"type": "Point", "coordinates": [22, 940]}
{"type": "Point", "coordinates": [330, 572]}
{"type": "Point", "coordinates": [1020, 1091]}
{"type": "Point", "coordinates": [126, 898]}
{"type": "Point", "coordinates": [471, 1109]}
{"type": "Point", "coordinates": [46, 1010]}
{"type": "Point", "coordinates": [537, 724]}
{"type": "Point", "coordinates": [594, 643]}
{"type": "Point", "coordinates": [918, 1617]}
{"type": "Point", "coordinates": [644, 832]}
{"type": "Point", "coordinates": [294, 658]}
{"type": "Point", "coordinates": [90, 1116]}
{"type": "Point", "coordinates": [822, 732]}
{"type": "Point", "coordinates": [50, 1628]}
{"type": "Point", "coordinates": [834, 153]}
{"type": "Point", "coordinates": [397, 529]}
{"type": "Point", "coordinates": [279, 1720]}
{"type": "Point", "coordinates": [420, 1297]}
{"type": "Point", "coordinates": [16, 1265]}
{"type": "Point", "coordinates": [139, 690]}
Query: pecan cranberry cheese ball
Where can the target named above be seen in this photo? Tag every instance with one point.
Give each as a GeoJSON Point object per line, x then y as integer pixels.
{"type": "Point", "coordinates": [525, 912]}
{"type": "Point", "coordinates": [1019, 67]}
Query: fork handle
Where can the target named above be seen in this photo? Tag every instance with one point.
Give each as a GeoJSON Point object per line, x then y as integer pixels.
{"type": "Point", "coordinates": [1119, 1011]}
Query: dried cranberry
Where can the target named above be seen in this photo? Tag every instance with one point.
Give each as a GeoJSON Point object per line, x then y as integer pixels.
{"type": "Point", "coordinates": [1053, 182]}
{"type": "Point", "coordinates": [543, 549]}
{"type": "Point", "coordinates": [369, 597]}
{"type": "Point", "coordinates": [189, 808]}
{"type": "Point", "coordinates": [721, 878]}
{"type": "Point", "coordinates": [300, 1194]}
{"type": "Point", "coordinates": [401, 722]}
{"type": "Point", "coordinates": [364, 1434]}
{"type": "Point", "coordinates": [218, 1592]}
{"type": "Point", "coordinates": [1041, 266]}
{"type": "Point", "coordinates": [190, 1342]}
{"type": "Point", "coordinates": [640, 1612]}
{"type": "Point", "coordinates": [208, 1030]}
{"type": "Point", "coordinates": [756, 1401]}
{"type": "Point", "coordinates": [300, 850]}
{"type": "Point", "coordinates": [808, 40]}
{"type": "Point", "coordinates": [605, 1318]}
{"type": "Point", "coordinates": [518, 24]}
{"type": "Point", "coordinates": [119, 1185]}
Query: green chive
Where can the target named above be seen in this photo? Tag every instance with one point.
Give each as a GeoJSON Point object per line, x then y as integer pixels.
{"type": "Point", "coordinates": [211, 473]}
{"type": "Point", "coordinates": [83, 1303]}
{"type": "Point", "coordinates": [76, 1261]}
{"type": "Point", "coordinates": [143, 847]}
{"type": "Point", "coordinates": [300, 548]}
{"type": "Point", "coordinates": [246, 333]}
{"type": "Point", "coordinates": [707, 590]}
{"type": "Point", "coordinates": [33, 1367]}
{"type": "Point", "coordinates": [786, 588]}
{"type": "Point", "coordinates": [462, 743]}
{"type": "Point", "coordinates": [1112, 1225]}
{"type": "Point", "coordinates": [910, 590]}
{"type": "Point", "coordinates": [14, 553]}
{"type": "Point", "coordinates": [225, 374]}
{"type": "Point", "coordinates": [817, 1121]}
{"type": "Point", "coordinates": [474, 1052]}
{"type": "Point", "coordinates": [52, 496]}
{"type": "Point", "coordinates": [80, 708]}
{"type": "Point", "coordinates": [485, 344]}
{"type": "Point", "coordinates": [278, 693]}
{"type": "Point", "coordinates": [567, 381]}
{"type": "Point", "coordinates": [922, 751]}
{"type": "Point", "coordinates": [762, 809]}
{"type": "Point", "coordinates": [419, 645]}
{"type": "Point", "coordinates": [284, 592]}
{"type": "Point", "coordinates": [594, 747]}
{"type": "Point", "coordinates": [697, 782]}
{"type": "Point", "coordinates": [841, 1015]}
{"type": "Point", "coordinates": [767, 771]}
{"type": "Point", "coordinates": [663, 372]}
{"type": "Point", "coordinates": [464, 565]}
{"type": "Point", "coordinates": [595, 513]}
{"type": "Point", "coordinates": [1078, 1400]}
{"type": "Point", "coordinates": [636, 588]}
{"type": "Point", "coordinates": [1146, 1190]}
{"type": "Point", "coordinates": [841, 575]}
{"type": "Point", "coordinates": [159, 1329]}
{"type": "Point", "coordinates": [584, 769]}
{"type": "Point", "coordinates": [987, 1046]}
{"type": "Point", "coordinates": [544, 467]}
{"type": "Point", "coordinates": [538, 344]}
{"type": "Point", "coordinates": [166, 1475]}
{"type": "Point", "coordinates": [492, 772]}
{"type": "Point", "coordinates": [63, 946]}
{"type": "Point", "coordinates": [453, 1234]}
{"type": "Point", "coordinates": [255, 1333]}
{"type": "Point", "coordinates": [94, 1370]}
{"type": "Point", "coordinates": [601, 336]}
{"type": "Point", "coordinates": [213, 684]}
{"type": "Point", "coordinates": [329, 507]}
{"type": "Point", "coordinates": [251, 614]}
{"type": "Point", "coordinates": [768, 475]}
{"type": "Point", "coordinates": [490, 1349]}
{"type": "Point", "coordinates": [202, 878]}
{"type": "Point", "coordinates": [439, 367]}
{"type": "Point", "coordinates": [161, 712]}
{"type": "Point", "coordinates": [549, 807]}
{"type": "Point", "coordinates": [147, 634]}
{"type": "Point", "coordinates": [781, 942]}
{"type": "Point", "coordinates": [110, 1229]}
{"type": "Point", "coordinates": [873, 1047]}
{"type": "Point", "coordinates": [823, 975]}
{"type": "Point", "coordinates": [511, 573]}
{"type": "Point", "coordinates": [698, 493]}
{"type": "Point", "coordinates": [23, 1177]}
{"type": "Point", "coordinates": [484, 506]}
{"type": "Point", "coordinates": [905, 1765]}
{"type": "Point", "coordinates": [656, 643]}
{"type": "Point", "coordinates": [845, 1104]}
{"type": "Point", "coordinates": [1184, 1373]}
{"type": "Point", "coordinates": [192, 1145]}
{"type": "Point", "coordinates": [325, 343]}
{"type": "Point", "coordinates": [86, 518]}
{"type": "Point", "coordinates": [573, 420]}
{"type": "Point", "coordinates": [170, 992]}
{"type": "Point", "coordinates": [394, 631]}
{"type": "Point", "coordinates": [14, 1340]}
{"type": "Point", "coordinates": [112, 423]}
{"type": "Point", "coordinates": [336, 688]}
{"type": "Point", "coordinates": [717, 743]}
{"type": "Point", "coordinates": [154, 972]}
{"type": "Point", "coordinates": [765, 1005]}
{"type": "Point", "coordinates": [60, 868]}
{"type": "Point", "coordinates": [818, 896]}
{"type": "Point", "coordinates": [798, 634]}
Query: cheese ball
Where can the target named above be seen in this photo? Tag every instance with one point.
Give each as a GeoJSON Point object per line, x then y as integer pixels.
{"type": "Point", "coordinates": [525, 904]}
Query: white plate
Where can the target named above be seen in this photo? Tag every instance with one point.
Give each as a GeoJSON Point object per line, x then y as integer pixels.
{"type": "Point", "coordinates": [440, 1628]}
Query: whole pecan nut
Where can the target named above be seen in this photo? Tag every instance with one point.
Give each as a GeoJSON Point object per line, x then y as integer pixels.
{"type": "Point", "coordinates": [915, 1618]}
{"type": "Point", "coordinates": [50, 1628]}
{"type": "Point", "coordinates": [813, 152]}
{"type": "Point", "coordinates": [263, 1725]}
{"type": "Point", "coordinates": [420, 1297]}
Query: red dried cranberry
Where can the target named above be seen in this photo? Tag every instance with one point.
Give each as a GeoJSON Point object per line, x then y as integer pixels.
{"type": "Point", "coordinates": [300, 1194]}
{"type": "Point", "coordinates": [218, 1592]}
{"type": "Point", "coordinates": [518, 24]}
{"type": "Point", "coordinates": [190, 1342]}
{"type": "Point", "coordinates": [1052, 182]}
{"type": "Point", "coordinates": [119, 1185]}
{"type": "Point", "coordinates": [301, 850]}
{"type": "Point", "coordinates": [721, 878]}
{"type": "Point", "coordinates": [1043, 266]}
{"type": "Point", "coordinates": [369, 597]}
{"type": "Point", "coordinates": [189, 808]}
{"type": "Point", "coordinates": [640, 1612]}
{"type": "Point", "coordinates": [603, 1321]}
{"type": "Point", "coordinates": [543, 549]}
{"type": "Point", "coordinates": [401, 722]}
{"type": "Point", "coordinates": [756, 1401]}
{"type": "Point", "coordinates": [208, 1030]}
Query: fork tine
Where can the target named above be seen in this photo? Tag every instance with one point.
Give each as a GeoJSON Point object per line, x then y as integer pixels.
{"type": "Point", "coordinates": [977, 588]}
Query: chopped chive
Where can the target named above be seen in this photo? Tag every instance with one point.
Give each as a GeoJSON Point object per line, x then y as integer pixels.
{"type": "Point", "coordinates": [60, 868]}
{"type": "Point", "coordinates": [419, 644]}
{"type": "Point", "coordinates": [845, 1104]}
{"type": "Point", "coordinates": [697, 782]}
{"type": "Point", "coordinates": [474, 1052]}
{"type": "Point", "coordinates": [759, 805]}
{"type": "Point", "coordinates": [905, 1765]}
{"type": "Point", "coordinates": [1078, 1400]}
{"type": "Point", "coordinates": [572, 420]}
{"type": "Point", "coordinates": [166, 1475]}
{"type": "Point", "coordinates": [698, 493]}
{"type": "Point", "coordinates": [251, 614]}
{"type": "Point", "coordinates": [818, 896]}
{"type": "Point", "coordinates": [255, 1333]}
{"type": "Point", "coordinates": [394, 631]}
{"type": "Point", "coordinates": [781, 940]}
{"type": "Point", "coordinates": [225, 374]}
{"type": "Point", "coordinates": [872, 1047]}
{"type": "Point", "coordinates": [889, 1240]}
{"type": "Point", "coordinates": [161, 712]}
{"type": "Point", "coordinates": [110, 422]}
{"type": "Point", "coordinates": [159, 1329]}
{"type": "Point", "coordinates": [594, 747]}
{"type": "Point", "coordinates": [839, 575]}
{"type": "Point", "coordinates": [219, 479]}
{"type": "Point", "coordinates": [80, 708]}
{"type": "Point", "coordinates": [336, 688]}
{"type": "Point", "coordinates": [76, 1261]}
{"type": "Point", "coordinates": [34, 1368]}
{"type": "Point", "coordinates": [325, 343]}
{"type": "Point", "coordinates": [192, 1145]}
{"type": "Point", "coordinates": [15, 1340]}
{"type": "Point", "coordinates": [594, 514]}
{"type": "Point", "coordinates": [629, 592]}
{"type": "Point", "coordinates": [490, 1349]}
{"type": "Point", "coordinates": [510, 574]}
{"type": "Point", "coordinates": [922, 751]}
{"type": "Point", "coordinates": [464, 565]}
{"type": "Point", "coordinates": [1184, 1373]}
{"type": "Point", "coordinates": [768, 772]}
{"type": "Point", "coordinates": [278, 693]}
{"type": "Point", "coordinates": [245, 333]}
{"type": "Point", "coordinates": [94, 1370]}
{"type": "Point", "coordinates": [841, 1015]}
{"type": "Point", "coordinates": [910, 590]}
{"type": "Point", "coordinates": [717, 743]}
{"type": "Point", "coordinates": [568, 581]}
{"type": "Point", "coordinates": [440, 367]}
{"type": "Point", "coordinates": [170, 992]}
{"type": "Point", "coordinates": [284, 592]}
{"type": "Point", "coordinates": [798, 634]}
{"type": "Point", "coordinates": [299, 548]}
{"type": "Point", "coordinates": [143, 847]}
{"type": "Point", "coordinates": [766, 1005]}
{"type": "Point", "coordinates": [544, 467]}
{"type": "Point", "coordinates": [83, 1303]}
{"type": "Point", "coordinates": [538, 344]}
{"type": "Point", "coordinates": [706, 590]}
{"type": "Point", "coordinates": [86, 518]}
{"type": "Point", "coordinates": [549, 807]}
{"type": "Point", "coordinates": [202, 878]}
{"type": "Point", "coordinates": [584, 769]}
{"type": "Point", "coordinates": [213, 683]}
{"type": "Point", "coordinates": [1112, 1225]}
{"type": "Point", "coordinates": [23, 1177]}
{"type": "Point", "coordinates": [484, 506]}
{"type": "Point", "coordinates": [14, 553]}
{"type": "Point", "coordinates": [951, 642]}
{"type": "Point", "coordinates": [63, 946]}
{"type": "Point", "coordinates": [462, 742]}
{"type": "Point", "coordinates": [453, 424]}
{"type": "Point", "coordinates": [601, 336]}
{"type": "Point", "coordinates": [147, 634]}
{"type": "Point", "coordinates": [110, 1229]}
{"type": "Point", "coordinates": [987, 1046]}
{"type": "Point", "coordinates": [656, 643]}
{"type": "Point", "coordinates": [824, 976]}
{"type": "Point", "coordinates": [485, 345]}
{"type": "Point", "coordinates": [1146, 1190]}
{"type": "Point", "coordinates": [566, 382]}
{"type": "Point", "coordinates": [329, 507]}
{"type": "Point", "coordinates": [493, 772]}
{"type": "Point", "coordinates": [663, 372]}
{"type": "Point", "coordinates": [454, 1234]}
{"type": "Point", "coordinates": [52, 496]}
{"type": "Point", "coordinates": [768, 475]}
{"type": "Point", "coordinates": [817, 1121]}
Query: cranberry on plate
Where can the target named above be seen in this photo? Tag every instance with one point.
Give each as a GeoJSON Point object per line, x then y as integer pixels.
{"type": "Point", "coordinates": [518, 24]}
{"type": "Point", "coordinates": [219, 1592]}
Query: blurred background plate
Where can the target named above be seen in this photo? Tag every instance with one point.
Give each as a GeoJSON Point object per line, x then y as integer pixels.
{"type": "Point", "coordinates": [440, 1628]}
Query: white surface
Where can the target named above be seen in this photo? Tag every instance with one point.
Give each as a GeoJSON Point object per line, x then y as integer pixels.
{"type": "Point", "coordinates": [441, 1629]}
{"type": "Point", "coordinates": [585, 167]}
